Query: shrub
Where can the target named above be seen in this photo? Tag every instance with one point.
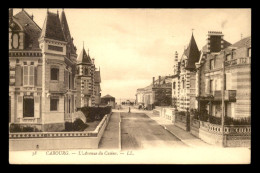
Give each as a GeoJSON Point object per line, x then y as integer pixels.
{"type": "Point", "coordinates": [18, 128]}
{"type": "Point", "coordinates": [15, 128]}
{"type": "Point", "coordinates": [182, 113]}
{"type": "Point", "coordinates": [95, 113]}
{"type": "Point", "coordinates": [214, 120]}
{"type": "Point", "coordinates": [77, 125]}
{"type": "Point", "coordinates": [239, 121]}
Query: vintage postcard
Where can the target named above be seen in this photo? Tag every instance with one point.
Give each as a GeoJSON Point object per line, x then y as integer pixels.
{"type": "Point", "coordinates": [129, 86]}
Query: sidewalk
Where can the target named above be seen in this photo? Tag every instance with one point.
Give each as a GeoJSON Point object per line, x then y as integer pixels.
{"type": "Point", "coordinates": [183, 135]}
{"type": "Point", "coordinates": [110, 138]}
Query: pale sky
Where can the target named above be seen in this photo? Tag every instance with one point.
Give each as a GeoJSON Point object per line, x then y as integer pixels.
{"type": "Point", "coordinates": [133, 45]}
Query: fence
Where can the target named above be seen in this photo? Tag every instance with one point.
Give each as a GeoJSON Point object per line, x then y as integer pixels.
{"type": "Point", "coordinates": [58, 140]}
{"type": "Point", "coordinates": [234, 135]}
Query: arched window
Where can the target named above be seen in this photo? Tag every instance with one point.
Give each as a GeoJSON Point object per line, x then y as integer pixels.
{"type": "Point", "coordinates": [15, 41]}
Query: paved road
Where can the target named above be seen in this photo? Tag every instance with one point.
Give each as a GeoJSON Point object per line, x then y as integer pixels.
{"type": "Point", "coordinates": [138, 131]}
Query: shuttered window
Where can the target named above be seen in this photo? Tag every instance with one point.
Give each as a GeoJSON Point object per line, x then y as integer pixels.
{"type": "Point", "coordinates": [28, 75]}
{"type": "Point", "coordinates": [18, 76]}
{"type": "Point", "coordinates": [39, 75]}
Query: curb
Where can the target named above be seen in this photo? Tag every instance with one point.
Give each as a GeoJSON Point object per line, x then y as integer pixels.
{"type": "Point", "coordinates": [177, 136]}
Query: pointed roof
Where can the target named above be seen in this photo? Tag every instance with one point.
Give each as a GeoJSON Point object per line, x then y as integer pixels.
{"type": "Point", "coordinates": [84, 57]}
{"type": "Point", "coordinates": [52, 27]}
{"type": "Point", "coordinates": [31, 29]}
{"type": "Point", "coordinates": [192, 53]}
{"type": "Point", "coordinates": [97, 77]}
{"type": "Point", "coordinates": [66, 31]}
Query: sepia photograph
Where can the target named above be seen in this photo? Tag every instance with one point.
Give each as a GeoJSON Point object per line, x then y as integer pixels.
{"type": "Point", "coordinates": [129, 85]}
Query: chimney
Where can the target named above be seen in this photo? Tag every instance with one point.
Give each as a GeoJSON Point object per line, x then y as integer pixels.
{"type": "Point", "coordinates": [176, 56]}
{"type": "Point", "coordinates": [153, 80]}
{"type": "Point", "coordinates": [159, 80]}
{"type": "Point", "coordinates": [93, 60]}
{"type": "Point", "coordinates": [215, 42]}
{"type": "Point", "coordinates": [32, 17]}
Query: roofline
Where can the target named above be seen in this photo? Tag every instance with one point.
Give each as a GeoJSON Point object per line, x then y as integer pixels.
{"type": "Point", "coordinates": [49, 39]}
{"type": "Point", "coordinates": [31, 19]}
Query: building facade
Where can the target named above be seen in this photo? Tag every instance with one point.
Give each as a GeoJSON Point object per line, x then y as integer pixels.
{"type": "Point", "coordinates": [236, 77]}
{"type": "Point", "coordinates": [88, 81]}
{"type": "Point", "coordinates": [42, 65]}
{"type": "Point", "coordinates": [183, 81]}
{"type": "Point", "coordinates": [159, 93]}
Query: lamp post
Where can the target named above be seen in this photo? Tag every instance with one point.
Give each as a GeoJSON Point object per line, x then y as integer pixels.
{"type": "Point", "coordinates": [223, 101]}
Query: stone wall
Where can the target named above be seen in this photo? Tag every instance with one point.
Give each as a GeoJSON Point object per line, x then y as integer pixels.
{"type": "Point", "coordinates": [180, 121]}
{"type": "Point", "coordinates": [58, 140]}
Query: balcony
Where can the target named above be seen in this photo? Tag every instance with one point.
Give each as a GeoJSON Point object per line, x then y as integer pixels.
{"type": "Point", "coordinates": [246, 60]}
{"type": "Point", "coordinates": [230, 95]}
{"type": "Point", "coordinates": [57, 87]}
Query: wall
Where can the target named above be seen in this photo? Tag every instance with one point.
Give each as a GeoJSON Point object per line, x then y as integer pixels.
{"type": "Point", "coordinates": [59, 140]}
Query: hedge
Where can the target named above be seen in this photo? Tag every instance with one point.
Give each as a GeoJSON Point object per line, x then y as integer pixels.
{"type": "Point", "coordinates": [95, 113]}
{"type": "Point", "coordinates": [204, 116]}
{"type": "Point", "coordinates": [77, 125]}
{"type": "Point", "coordinates": [18, 128]}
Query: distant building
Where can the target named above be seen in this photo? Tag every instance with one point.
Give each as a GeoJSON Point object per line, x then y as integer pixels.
{"type": "Point", "coordinates": [183, 80]}
{"type": "Point", "coordinates": [157, 94]}
{"type": "Point", "coordinates": [108, 100]}
{"type": "Point", "coordinates": [88, 81]}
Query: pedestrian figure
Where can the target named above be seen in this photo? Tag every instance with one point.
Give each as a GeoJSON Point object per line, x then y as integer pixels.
{"type": "Point", "coordinates": [129, 110]}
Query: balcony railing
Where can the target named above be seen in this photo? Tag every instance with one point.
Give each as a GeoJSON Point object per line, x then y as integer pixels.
{"type": "Point", "coordinates": [230, 95]}
{"type": "Point", "coordinates": [245, 60]}
{"type": "Point", "coordinates": [57, 87]}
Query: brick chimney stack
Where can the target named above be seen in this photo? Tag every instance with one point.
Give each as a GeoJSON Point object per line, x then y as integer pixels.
{"type": "Point", "coordinates": [159, 80]}
{"type": "Point", "coordinates": [153, 80]}
{"type": "Point", "coordinates": [215, 42]}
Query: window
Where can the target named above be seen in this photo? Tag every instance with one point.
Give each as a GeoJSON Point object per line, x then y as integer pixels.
{"type": "Point", "coordinates": [15, 41]}
{"type": "Point", "coordinates": [228, 57]}
{"type": "Point", "coordinates": [249, 52]}
{"type": "Point", "coordinates": [28, 75]}
{"type": "Point", "coordinates": [211, 85]}
{"type": "Point", "coordinates": [54, 74]}
{"type": "Point", "coordinates": [86, 71]}
{"type": "Point", "coordinates": [183, 83]}
{"type": "Point", "coordinates": [212, 64]}
{"type": "Point", "coordinates": [54, 104]}
{"type": "Point", "coordinates": [174, 85]}
{"type": "Point", "coordinates": [28, 106]}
